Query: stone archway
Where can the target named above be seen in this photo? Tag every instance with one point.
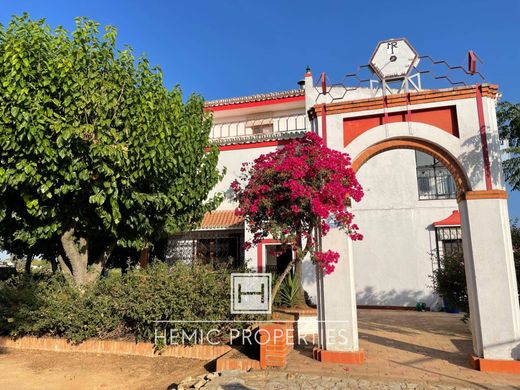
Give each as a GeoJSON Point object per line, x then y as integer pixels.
{"type": "Point", "coordinates": [441, 155]}
{"type": "Point", "coordinates": [495, 312]}
{"type": "Point", "coordinates": [458, 126]}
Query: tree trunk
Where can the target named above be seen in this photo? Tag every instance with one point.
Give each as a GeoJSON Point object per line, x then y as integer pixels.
{"type": "Point", "coordinates": [28, 263]}
{"type": "Point", "coordinates": [74, 261]}
{"type": "Point", "coordinates": [54, 265]}
{"type": "Point", "coordinates": [76, 252]}
{"type": "Point", "coordinates": [144, 257]}
{"type": "Point", "coordinates": [296, 262]}
{"type": "Point", "coordinates": [300, 299]}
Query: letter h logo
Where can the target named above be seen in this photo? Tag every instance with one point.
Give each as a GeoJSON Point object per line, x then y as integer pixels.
{"type": "Point", "coordinates": [250, 293]}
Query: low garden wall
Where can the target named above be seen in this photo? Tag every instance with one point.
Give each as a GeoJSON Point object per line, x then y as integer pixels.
{"type": "Point", "coordinates": [120, 347]}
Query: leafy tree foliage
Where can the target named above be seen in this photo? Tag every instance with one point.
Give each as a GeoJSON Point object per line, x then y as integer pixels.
{"type": "Point", "coordinates": [94, 150]}
{"type": "Point", "coordinates": [515, 238]}
{"type": "Point", "coordinates": [508, 117]}
{"type": "Point", "coordinates": [293, 193]}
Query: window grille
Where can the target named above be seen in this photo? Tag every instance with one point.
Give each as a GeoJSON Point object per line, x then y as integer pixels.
{"type": "Point", "coordinates": [219, 247]}
{"type": "Point", "coordinates": [449, 240]}
{"type": "Point", "coordinates": [434, 181]}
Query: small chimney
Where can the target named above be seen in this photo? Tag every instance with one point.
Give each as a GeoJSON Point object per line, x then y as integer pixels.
{"type": "Point", "coordinates": [301, 84]}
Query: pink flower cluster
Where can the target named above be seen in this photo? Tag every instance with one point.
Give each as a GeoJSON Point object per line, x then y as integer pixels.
{"type": "Point", "coordinates": [291, 191]}
{"type": "Point", "coordinates": [326, 260]}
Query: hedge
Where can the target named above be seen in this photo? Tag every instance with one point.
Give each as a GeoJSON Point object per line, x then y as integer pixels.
{"type": "Point", "coordinates": [118, 307]}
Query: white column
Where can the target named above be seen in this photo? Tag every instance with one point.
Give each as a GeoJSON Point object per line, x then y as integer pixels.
{"type": "Point", "coordinates": [338, 328]}
{"type": "Point", "coordinates": [490, 273]}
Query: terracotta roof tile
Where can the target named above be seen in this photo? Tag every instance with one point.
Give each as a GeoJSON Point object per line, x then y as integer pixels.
{"type": "Point", "coordinates": [221, 219]}
{"type": "Point", "coordinates": [256, 98]}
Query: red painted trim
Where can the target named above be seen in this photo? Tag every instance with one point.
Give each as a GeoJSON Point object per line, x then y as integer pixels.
{"type": "Point", "coordinates": [483, 138]}
{"type": "Point", "coordinates": [254, 145]}
{"type": "Point", "coordinates": [260, 253]}
{"type": "Point", "coordinates": [452, 220]}
{"type": "Point", "coordinates": [256, 104]}
{"type": "Point", "coordinates": [492, 365]}
{"type": "Point", "coordinates": [324, 124]}
{"type": "Point", "coordinates": [260, 258]}
{"type": "Point", "coordinates": [342, 357]}
{"type": "Point", "coordinates": [445, 118]}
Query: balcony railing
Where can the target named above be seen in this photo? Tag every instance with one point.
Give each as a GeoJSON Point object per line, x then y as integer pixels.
{"type": "Point", "coordinates": [289, 126]}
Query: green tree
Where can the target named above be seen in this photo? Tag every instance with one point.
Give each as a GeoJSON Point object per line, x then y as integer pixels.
{"type": "Point", "coordinates": [94, 150]}
{"type": "Point", "coordinates": [508, 117]}
{"type": "Point", "coordinates": [515, 238]}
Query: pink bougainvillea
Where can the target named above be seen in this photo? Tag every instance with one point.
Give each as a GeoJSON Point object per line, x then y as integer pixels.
{"type": "Point", "coordinates": [326, 260]}
{"type": "Point", "coordinates": [296, 191]}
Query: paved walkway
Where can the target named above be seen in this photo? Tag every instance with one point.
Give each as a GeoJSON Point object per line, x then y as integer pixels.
{"type": "Point", "coordinates": [275, 380]}
{"type": "Point", "coordinates": [404, 349]}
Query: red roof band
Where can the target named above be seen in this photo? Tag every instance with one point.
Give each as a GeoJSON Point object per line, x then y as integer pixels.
{"type": "Point", "coordinates": [452, 220]}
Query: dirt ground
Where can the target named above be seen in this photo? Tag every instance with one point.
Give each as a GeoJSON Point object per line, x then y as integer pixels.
{"type": "Point", "coordinates": [24, 369]}
{"type": "Point", "coordinates": [428, 349]}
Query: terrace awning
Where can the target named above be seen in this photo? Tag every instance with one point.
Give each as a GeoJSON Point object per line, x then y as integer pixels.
{"type": "Point", "coordinates": [452, 220]}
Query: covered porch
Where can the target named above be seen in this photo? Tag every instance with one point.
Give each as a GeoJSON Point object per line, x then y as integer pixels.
{"type": "Point", "coordinates": [218, 241]}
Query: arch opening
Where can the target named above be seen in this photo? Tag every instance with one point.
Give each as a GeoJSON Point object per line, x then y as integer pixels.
{"type": "Point", "coordinates": [458, 174]}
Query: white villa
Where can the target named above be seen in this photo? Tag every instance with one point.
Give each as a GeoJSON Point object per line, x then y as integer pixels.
{"type": "Point", "coordinates": [409, 202]}
{"type": "Point", "coordinates": [430, 164]}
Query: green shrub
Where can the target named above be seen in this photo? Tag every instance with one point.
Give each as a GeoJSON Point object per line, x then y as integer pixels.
{"type": "Point", "coordinates": [449, 281]}
{"type": "Point", "coordinates": [119, 306]}
{"type": "Point", "coordinates": [289, 293]}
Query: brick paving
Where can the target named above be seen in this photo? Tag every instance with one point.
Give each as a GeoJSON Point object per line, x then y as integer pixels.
{"type": "Point", "coordinates": [404, 349]}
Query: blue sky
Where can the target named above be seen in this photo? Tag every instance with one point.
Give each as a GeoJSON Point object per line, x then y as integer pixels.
{"type": "Point", "coordinates": [232, 48]}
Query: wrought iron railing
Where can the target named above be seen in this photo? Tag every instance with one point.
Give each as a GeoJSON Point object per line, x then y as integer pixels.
{"type": "Point", "coordinates": [435, 183]}
{"type": "Point", "coordinates": [281, 127]}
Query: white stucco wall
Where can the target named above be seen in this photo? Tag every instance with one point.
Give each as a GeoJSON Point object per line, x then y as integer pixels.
{"type": "Point", "coordinates": [392, 264]}
{"type": "Point", "coordinates": [232, 160]}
